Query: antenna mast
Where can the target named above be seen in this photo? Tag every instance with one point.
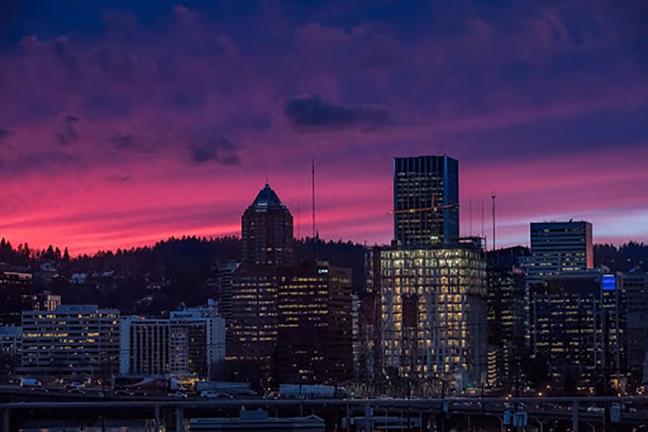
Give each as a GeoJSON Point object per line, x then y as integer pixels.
{"type": "Point", "coordinates": [482, 208]}
{"type": "Point", "coordinates": [470, 214]}
{"type": "Point", "coordinates": [313, 197]}
{"type": "Point", "coordinates": [298, 220]}
{"type": "Point", "coordinates": [493, 196]}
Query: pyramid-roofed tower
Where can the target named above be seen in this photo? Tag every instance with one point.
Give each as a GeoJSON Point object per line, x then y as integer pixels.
{"type": "Point", "coordinates": [267, 231]}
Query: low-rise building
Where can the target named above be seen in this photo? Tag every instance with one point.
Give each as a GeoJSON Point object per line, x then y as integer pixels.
{"type": "Point", "coordinates": [10, 348]}
{"type": "Point", "coordinates": [191, 342]}
{"type": "Point", "coordinates": [72, 339]}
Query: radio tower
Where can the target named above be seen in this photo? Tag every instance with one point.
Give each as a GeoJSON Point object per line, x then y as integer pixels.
{"type": "Point", "coordinates": [298, 220]}
{"type": "Point", "coordinates": [313, 198]}
{"type": "Point", "coordinates": [493, 196]}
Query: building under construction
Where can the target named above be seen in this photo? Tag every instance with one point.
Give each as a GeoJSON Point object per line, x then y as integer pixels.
{"type": "Point", "coordinates": [433, 316]}
{"type": "Point", "coordinates": [431, 285]}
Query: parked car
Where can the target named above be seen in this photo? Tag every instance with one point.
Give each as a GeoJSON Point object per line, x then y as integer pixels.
{"type": "Point", "coordinates": [30, 382]}
{"type": "Point", "coordinates": [74, 386]}
{"type": "Point", "coordinates": [595, 409]}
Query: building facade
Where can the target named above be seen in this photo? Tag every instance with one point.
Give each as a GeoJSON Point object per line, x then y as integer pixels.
{"type": "Point", "coordinates": [72, 339]}
{"type": "Point", "coordinates": [10, 348]}
{"type": "Point", "coordinates": [252, 325]}
{"type": "Point", "coordinates": [191, 342]}
{"type": "Point", "coordinates": [144, 346]}
{"type": "Point", "coordinates": [267, 239]}
{"type": "Point", "coordinates": [506, 317]}
{"type": "Point", "coordinates": [635, 285]}
{"type": "Point", "coordinates": [426, 201]}
{"type": "Point", "coordinates": [267, 231]}
{"type": "Point", "coordinates": [206, 328]}
{"type": "Point", "coordinates": [577, 324]}
{"type": "Point", "coordinates": [15, 296]}
{"type": "Point", "coordinates": [558, 247]}
{"type": "Point", "coordinates": [224, 286]}
{"type": "Point", "coordinates": [315, 324]}
{"type": "Point", "coordinates": [433, 307]}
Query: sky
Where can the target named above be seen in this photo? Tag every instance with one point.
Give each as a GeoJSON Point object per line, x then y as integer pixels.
{"type": "Point", "coordinates": [125, 124]}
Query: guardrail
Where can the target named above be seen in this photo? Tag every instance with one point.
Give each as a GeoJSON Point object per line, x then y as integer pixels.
{"type": "Point", "coordinates": [571, 407]}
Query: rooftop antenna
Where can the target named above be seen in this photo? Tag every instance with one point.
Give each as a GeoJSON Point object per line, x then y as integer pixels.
{"type": "Point", "coordinates": [298, 220]}
{"type": "Point", "coordinates": [470, 215]}
{"type": "Point", "coordinates": [482, 211]}
{"type": "Point", "coordinates": [313, 211]}
{"type": "Point", "coordinates": [493, 196]}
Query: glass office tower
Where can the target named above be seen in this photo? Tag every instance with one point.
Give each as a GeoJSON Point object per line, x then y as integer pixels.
{"type": "Point", "coordinates": [426, 200]}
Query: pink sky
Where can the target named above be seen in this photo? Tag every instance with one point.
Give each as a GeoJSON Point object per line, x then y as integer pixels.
{"type": "Point", "coordinates": [134, 132]}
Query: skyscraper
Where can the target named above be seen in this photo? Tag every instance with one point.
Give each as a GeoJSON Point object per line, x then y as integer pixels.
{"type": "Point", "coordinates": [267, 237]}
{"type": "Point", "coordinates": [267, 231]}
{"type": "Point", "coordinates": [314, 324]}
{"type": "Point", "coordinates": [506, 316]}
{"type": "Point", "coordinates": [426, 199]}
{"type": "Point", "coordinates": [577, 325]}
{"type": "Point", "coordinates": [557, 247]}
{"type": "Point", "coordinates": [433, 306]}
{"type": "Point", "coordinates": [432, 286]}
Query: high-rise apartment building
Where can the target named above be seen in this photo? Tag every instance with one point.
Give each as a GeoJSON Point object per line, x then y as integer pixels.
{"type": "Point", "coordinates": [72, 339]}
{"type": "Point", "coordinates": [558, 247]}
{"type": "Point", "coordinates": [426, 201]}
{"type": "Point", "coordinates": [433, 306]}
{"type": "Point", "coordinates": [314, 324]}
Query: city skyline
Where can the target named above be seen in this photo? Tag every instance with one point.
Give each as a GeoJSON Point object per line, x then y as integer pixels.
{"type": "Point", "coordinates": [324, 215]}
{"type": "Point", "coordinates": [121, 127]}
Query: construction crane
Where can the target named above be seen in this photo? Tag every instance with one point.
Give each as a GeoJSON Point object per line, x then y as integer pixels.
{"type": "Point", "coordinates": [434, 208]}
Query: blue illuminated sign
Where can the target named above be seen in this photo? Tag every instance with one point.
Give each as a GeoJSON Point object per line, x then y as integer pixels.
{"type": "Point", "coordinates": [608, 282]}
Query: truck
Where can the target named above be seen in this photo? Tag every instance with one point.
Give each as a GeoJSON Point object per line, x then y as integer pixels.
{"type": "Point", "coordinates": [311, 391]}
{"type": "Point", "coordinates": [224, 388]}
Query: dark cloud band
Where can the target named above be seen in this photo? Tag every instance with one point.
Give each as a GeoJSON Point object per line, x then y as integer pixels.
{"type": "Point", "coordinates": [313, 112]}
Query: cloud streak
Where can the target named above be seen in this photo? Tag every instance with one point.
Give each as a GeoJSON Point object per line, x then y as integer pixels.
{"type": "Point", "coordinates": [311, 111]}
{"type": "Point", "coordinates": [219, 150]}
